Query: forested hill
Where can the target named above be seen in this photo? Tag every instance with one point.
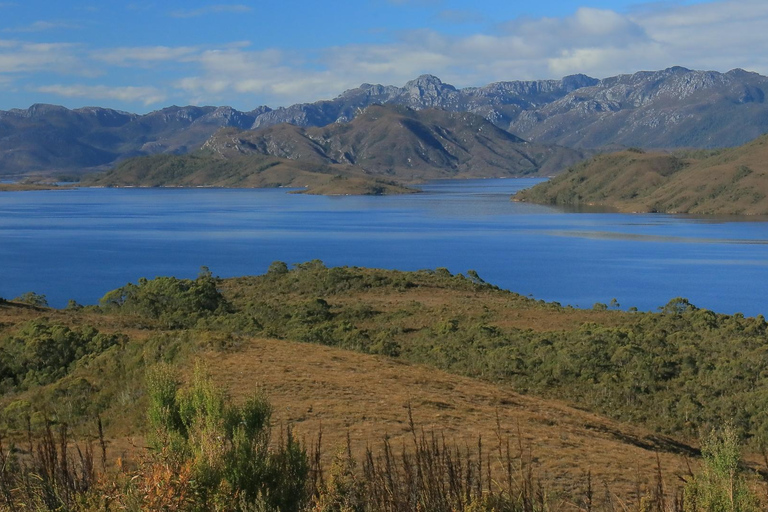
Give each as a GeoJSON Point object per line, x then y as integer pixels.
{"type": "Point", "coordinates": [728, 182]}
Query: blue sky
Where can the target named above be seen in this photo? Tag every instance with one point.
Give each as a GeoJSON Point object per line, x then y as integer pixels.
{"type": "Point", "coordinates": [144, 55]}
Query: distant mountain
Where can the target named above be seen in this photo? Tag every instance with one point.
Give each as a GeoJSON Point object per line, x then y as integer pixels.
{"type": "Point", "coordinates": [731, 181]}
{"type": "Point", "coordinates": [364, 156]}
{"type": "Point", "coordinates": [49, 138]}
{"type": "Point", "coordinates": [403, 143]}
{"type": "Point", "coordinates": [500, 102]}
{"type": "Point", "coordinates": [672, 108]}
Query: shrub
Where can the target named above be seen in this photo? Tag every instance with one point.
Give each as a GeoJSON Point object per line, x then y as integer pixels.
{"type": "Point", "coordinates": [226, 447]}
{"type": "Point", "coordinates": [720, 486]}
{"type": "Point", "coordinates": [33, 299]}
{"type": "Point", "coordinates": [176, 302]}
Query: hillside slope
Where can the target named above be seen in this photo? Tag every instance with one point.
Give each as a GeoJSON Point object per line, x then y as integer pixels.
{"type": "Point", "coordinates": [403, 143]}
{"type": "Point", "coordinates": [341, 393]}
{"type": "Point", "coordinates": [729, 182]}
{"type": "Point", "coordinates": [251, 171]}
{"type": "Point", "coordinates": [50, 138]}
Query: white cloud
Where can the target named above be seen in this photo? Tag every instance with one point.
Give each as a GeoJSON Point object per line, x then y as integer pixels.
{"type": "Point", "coordinates": [212, 9]}
{"type": "Point", "coordinates": [41, 26]}
{"type": "Point", "coordinates": [720, 35]}
{"type": "Point", "coordinates": [460, 16]}
{"type": "Point", "coordinates": [19, 57]}
{"type": "Point", "coordinates": [143, 55]}
{"type": "Point", "coordinates": [145, 95]}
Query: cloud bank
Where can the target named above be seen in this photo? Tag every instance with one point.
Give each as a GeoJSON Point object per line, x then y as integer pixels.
{"type": "Point", "coordinates": [718, 35]}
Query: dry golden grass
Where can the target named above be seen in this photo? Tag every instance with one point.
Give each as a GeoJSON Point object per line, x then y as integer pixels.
{"type": "Point", "coordinates": [316, 388]}
{"type": "Point", "coordinates": [506, 311]}
{"type": "Point", "coordinates": [731, 182]}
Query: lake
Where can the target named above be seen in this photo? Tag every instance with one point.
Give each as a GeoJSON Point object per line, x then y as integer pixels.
{"type": "Point", "coordinates": [78, 244]}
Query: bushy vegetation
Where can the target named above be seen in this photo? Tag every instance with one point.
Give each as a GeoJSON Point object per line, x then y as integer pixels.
{"type": "Point", "coordinates": [678, 370]}
{"type": "Point", "coordinates": [174, 302]}
{"type": "Point", "coordinates": [41, 352]}
{"type": "Point", "coordinates": [33, 299]}
{"type": "Point", "coordinates": [720, 485]}
{"type": "Point", "coordinates": [228, 451]}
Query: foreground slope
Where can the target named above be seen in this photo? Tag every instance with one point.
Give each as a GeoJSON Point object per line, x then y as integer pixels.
{"type": "Point", "coordinates": [342, 394]}
{"type": "Point", "coordinates": [729, 182]}
{"type": "Point", "coordinates": [347, 349]}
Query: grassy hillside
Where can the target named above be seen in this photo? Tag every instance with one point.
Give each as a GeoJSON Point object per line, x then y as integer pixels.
{"type": "Point", "coordinates": [253, 171]}
{"type": "Point", "coordinates": [733, 181]}
{"type": "Point", "coordinates": [347, 350]}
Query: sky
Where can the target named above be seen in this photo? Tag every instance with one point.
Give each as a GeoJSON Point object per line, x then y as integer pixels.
{"type": "Point", "coordinates": [143, 55]}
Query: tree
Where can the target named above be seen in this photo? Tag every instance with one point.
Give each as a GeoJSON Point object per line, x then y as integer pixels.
{"type": "Point", "coordinates": [33, 299]}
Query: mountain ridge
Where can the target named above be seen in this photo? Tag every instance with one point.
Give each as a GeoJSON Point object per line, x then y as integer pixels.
{"type": "Point", "coordinates": [671, 108]}
{"type": "Point", "coordinates": [403, 143]}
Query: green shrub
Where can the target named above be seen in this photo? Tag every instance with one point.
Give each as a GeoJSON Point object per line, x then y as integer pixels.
{"type": "Point", "coordinates": [33, 299]}
{"type": "Point", "coordinates": [720, 485]}
{"type": "Point", "coordinates": [177, 303]}
{"type": "Point", "coordinates": [233, 462]}
{"type": "Point", "coordinates": [41, 352]}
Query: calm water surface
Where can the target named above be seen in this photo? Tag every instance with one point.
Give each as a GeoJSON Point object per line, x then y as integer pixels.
{"type": "Point", "coordinates": [78, 244]}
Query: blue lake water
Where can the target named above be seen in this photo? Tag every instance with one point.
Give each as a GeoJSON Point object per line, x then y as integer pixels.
{"type": "Point", "coordinates": [79, 244]}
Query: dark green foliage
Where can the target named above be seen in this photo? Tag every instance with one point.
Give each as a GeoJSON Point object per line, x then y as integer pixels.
{"type": "Point", "coordinates": [73, 305]}
{"type": "Point", "coordinates": [41, 352]}
{"type": "Point", "coordinates": [677, 306]}
{"type": "Point", "coordinates": [33, 299]}
{"type": "Point", "coordinates": [176, 303]}
{"type": "Point", "coordinates": [277, 268]}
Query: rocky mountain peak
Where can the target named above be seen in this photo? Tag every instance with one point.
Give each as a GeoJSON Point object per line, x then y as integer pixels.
{"type": "Point", "coordinates": [573, 82]}
{"type": "Point", "coordinates": [427, 91]}
{"type": "Point", "coordinates": [427, 81]}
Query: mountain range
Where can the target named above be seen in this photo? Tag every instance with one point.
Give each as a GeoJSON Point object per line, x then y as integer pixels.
{"type": "Point", "coordinates": [383, 143]}
{"type": "Point", "coordinates": [402, 143]}
{"type": "Point", "coordinates": [671, 108]}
